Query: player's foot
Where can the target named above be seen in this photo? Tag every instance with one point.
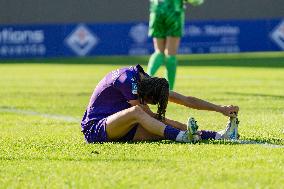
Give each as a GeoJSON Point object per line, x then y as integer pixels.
{"type": "Point", "coordinates": [191, 134]}
{"type": "Point", "coordinates": [187, 137]}
{"type": "Point", "coordinates": [192, 125]}
{"type": "Point", "coordinates": [231, 131]}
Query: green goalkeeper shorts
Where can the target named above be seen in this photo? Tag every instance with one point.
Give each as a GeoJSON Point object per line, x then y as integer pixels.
{"type": "Point", "coordinates": [162, 25]}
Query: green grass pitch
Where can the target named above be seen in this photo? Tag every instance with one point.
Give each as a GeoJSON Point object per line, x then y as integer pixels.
{"type": "Point", "coordinates": [41, 103]}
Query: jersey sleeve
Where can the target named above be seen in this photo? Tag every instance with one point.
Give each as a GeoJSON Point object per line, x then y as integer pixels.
{"type": "Point", "coordinates": [126, 83]}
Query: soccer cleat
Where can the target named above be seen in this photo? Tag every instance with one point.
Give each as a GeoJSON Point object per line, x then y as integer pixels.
{"type": "Point", "coordinates": [192, 126]}
{"type": "Point", "coordinates": [191, 134]}
{"type": "Point", "coordinates": [231, 131]}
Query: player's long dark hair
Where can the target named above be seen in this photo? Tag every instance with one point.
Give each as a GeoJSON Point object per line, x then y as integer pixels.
{"type": "Point", "coordinates": [157, 90]}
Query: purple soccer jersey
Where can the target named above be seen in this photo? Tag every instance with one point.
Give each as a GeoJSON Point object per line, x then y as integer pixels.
{"type": "Point", "coordinates": [112, 94]}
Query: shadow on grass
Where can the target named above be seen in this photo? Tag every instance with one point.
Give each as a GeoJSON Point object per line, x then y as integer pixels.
{"type": "Point", "coordinates": [273, 142]}
{"type": "Point", "coordinates": [255, 95]}
{"type": "Point", "coordinates": [87, 159]}
{"type": "Point", "coordinates": [140, 142]}
{"type": "Point", "coordinates": [184, 60]}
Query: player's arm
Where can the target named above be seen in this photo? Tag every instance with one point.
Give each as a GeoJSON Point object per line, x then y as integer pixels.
{"type": "Point", "coordinates": [199, 104]}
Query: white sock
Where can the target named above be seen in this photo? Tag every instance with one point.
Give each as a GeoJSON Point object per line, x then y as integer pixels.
{"type": "Point", "coordinates": [179, 136]}
{"type": "Point", "coordinates": [219, 135]}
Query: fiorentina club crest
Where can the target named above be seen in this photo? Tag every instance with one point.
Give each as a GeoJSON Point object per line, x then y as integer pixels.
{"type": "Point", "coordinates": [139, 33]}
{"type": "Point", "coordinates": [278, 35]}
{"type": "Point", "coordinates": [82, 40]}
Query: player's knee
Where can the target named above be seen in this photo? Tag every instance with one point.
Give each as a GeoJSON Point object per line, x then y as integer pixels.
{"type": "Point", "coordinates": [170, 52]}
{"type": "Point", "coordinates": [137, 111]}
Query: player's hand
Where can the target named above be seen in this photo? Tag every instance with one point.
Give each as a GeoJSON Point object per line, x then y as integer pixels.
{"type": "Point", "coordinates": [230, 111]}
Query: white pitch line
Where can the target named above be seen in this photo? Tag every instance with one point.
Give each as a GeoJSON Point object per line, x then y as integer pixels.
{"type": "Point", "coordinates": [265, 144]}
{"type": "Point", "coordinates": [50, 116]}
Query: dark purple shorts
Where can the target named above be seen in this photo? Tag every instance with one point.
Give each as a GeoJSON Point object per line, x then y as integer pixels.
{"type": "Point", "coordinates": [97, 133]}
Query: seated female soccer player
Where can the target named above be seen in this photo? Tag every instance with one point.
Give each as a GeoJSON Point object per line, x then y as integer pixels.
{"type": "Point", "coordinates": [118, 111]}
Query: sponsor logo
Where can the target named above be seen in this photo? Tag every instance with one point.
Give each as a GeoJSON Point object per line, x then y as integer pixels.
{"type": "Point", "coordinates": [82, 40]}
{"type": "Point", "coordinates": [193, 30]}
{"type": "Point", "coordinates": [21, 42]}
{"type": "Point", "coordinates": [139, 33]}
{"type": "Point", "coordinates": [211, 38]}
{"type": "Point", "coordinates": [134, 88]}
{"type": "Point", "coordinates": [211, 30]}
{"type": "Point", "coordinates": [277, 35]}
{"type": "Point", "coordinates": [11, 36]}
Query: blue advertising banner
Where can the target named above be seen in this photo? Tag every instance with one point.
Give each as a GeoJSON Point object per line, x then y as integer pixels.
{"type": "Point", "coordinates": [70, 40]}
{"type": "Point", "coordinates": [233, 36]}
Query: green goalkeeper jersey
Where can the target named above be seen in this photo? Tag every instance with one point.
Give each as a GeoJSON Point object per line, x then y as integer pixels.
{"type": "Point", "coordinates": [166, 5]}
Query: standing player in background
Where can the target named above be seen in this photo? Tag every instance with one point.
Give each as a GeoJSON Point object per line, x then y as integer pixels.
{"type": "Point", "coordinates": [166, 24]}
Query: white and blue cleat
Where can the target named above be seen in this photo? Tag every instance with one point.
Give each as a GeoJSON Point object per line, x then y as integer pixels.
{"type": "Point", "coordinates": [191, 134]}
{"type": "Point", "coordinates": [192, 126]}
{"type": "Point", "coordinates": [231, 131]}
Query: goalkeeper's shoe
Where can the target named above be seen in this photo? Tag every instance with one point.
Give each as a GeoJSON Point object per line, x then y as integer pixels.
{"type": "Point", "coordinates": [231, 131]}
{"type": "Point", "coordinates": [191, 134]}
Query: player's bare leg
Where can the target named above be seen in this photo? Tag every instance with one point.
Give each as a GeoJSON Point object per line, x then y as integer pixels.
{"type": "Point", "coordinates": [159, 44]}
{"type": "Point", "coordinates": [121, 122]}
{"type": "Point", "coordinates": [172, 45]}
{"type": "Point", "coordinates": [229, 133]}
{"type": "Point", "coordinates": [143, 135]}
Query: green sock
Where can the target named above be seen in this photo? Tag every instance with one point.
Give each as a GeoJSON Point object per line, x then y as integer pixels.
{"type": "Point", "coordinates": [155, 61]}
{"type": "Point", "coordinates": [171, 65]}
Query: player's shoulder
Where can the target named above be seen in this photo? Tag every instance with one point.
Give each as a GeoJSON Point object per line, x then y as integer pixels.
{"type": "Point", "coordinates": [128, 74]}
{"type": "Point", "coordinates": [134, 70]}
